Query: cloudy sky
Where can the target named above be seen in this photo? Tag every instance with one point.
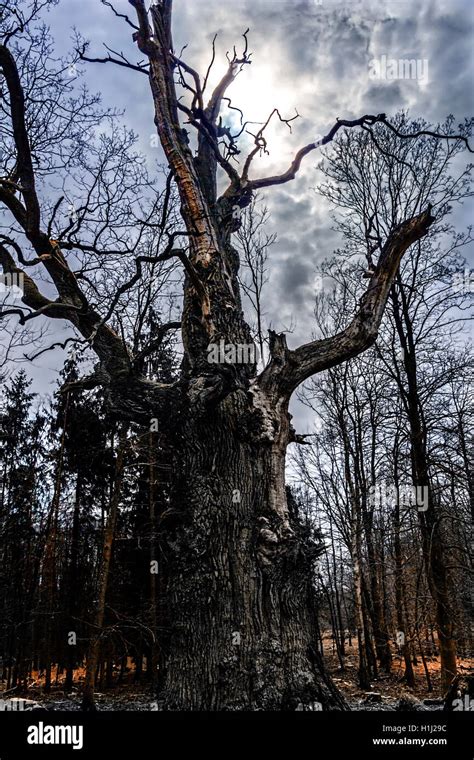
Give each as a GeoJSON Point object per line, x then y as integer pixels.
{"type": "Point", "coordinates": [307, 55]}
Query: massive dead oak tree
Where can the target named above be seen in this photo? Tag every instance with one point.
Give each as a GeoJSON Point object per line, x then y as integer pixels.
{"type": "Point", "coordinates": [241, 620]}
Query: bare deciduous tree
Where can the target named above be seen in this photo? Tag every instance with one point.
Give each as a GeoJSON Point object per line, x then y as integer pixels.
{"type": "Point", "coordinates": [238, 568]}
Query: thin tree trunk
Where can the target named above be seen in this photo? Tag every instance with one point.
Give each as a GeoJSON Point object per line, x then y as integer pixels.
{"type": "Point", "coordinates": [429, 684]}
{"type": "Point", "coordinates": [363, 671]}
{"type": "Point", "coordinates": [400, 589]}
{"type": "Point", "coordinates": [338, 609]}
{"type": "Point", "coordinates": [92, 659]}
{"type": "Point", "coordinates": [154, 653]}
{"type": "Point", "coordinates": [73, 584]}
{"type": "Point", "coordinates": [381, 637]}
{"type": "Point", "coordinates": [49, 560]}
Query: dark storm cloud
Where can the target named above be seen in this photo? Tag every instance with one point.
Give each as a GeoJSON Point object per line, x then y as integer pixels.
{"type": "Point", "coordinates": [287, 206]}
{"type": "Point", "coordinates": [294, 276]}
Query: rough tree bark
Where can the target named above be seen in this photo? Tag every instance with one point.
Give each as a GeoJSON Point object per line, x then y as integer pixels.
{"type": "Point", "coordinates": [239, 570]}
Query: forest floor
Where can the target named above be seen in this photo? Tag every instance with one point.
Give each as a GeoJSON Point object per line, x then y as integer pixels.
{"type": "Point", "coordinates": [388, 692]}
{"type": "Point", "coordinates": [390, 688]}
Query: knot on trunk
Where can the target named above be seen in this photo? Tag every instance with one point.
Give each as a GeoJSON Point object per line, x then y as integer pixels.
{"type": "Point", "coordinates": [268, 542]}
{"type": "Point", "coordinates": [212, 387]}
{"type": "Point", "coordinates": [287, 549]}
{"type": "Point", "coordinates": [262, 423]}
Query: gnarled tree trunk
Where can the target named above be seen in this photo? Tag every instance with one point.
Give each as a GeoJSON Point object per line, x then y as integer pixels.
{"type": "Point", "coordinates": [239, 575]}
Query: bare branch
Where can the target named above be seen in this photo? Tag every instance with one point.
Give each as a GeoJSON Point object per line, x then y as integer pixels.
{"type": "Point", "coordinates": [213, 58]}
{"type": "Point", "coordinates": [20, 135]}
{"type": "Point", "coordinates": [366, 121]}
{"type": "Point", "coordinates": [119, 15]}
{"type": "Point", "coordinates": [120, 61]}
{"type": "Point", "coordinates": [235, 66]}
{"type": "Point", "coordinates": [157, 341]}
{"type": "Point", "coordinates": [58, 344]}
{"type": "Point", "coordinates": [260, 141]}
{"type": "Point", "coordinates": [287, 369]}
